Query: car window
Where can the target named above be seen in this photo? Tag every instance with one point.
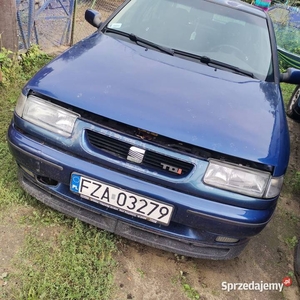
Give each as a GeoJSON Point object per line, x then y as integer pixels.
{"type": "Point", "coordinates": [202, 28]}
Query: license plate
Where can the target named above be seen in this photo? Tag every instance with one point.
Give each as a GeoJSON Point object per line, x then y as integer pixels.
{"type": "Point", "coordinates": [121, 200]}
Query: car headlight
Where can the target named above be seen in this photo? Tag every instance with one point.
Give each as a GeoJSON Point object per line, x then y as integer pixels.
{"type": "Point", "coordinates": [242, 180]}
{"type": "Point", "coordinates": [46, 115]}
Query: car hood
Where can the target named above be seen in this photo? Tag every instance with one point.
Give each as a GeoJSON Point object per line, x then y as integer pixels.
{"type": "Point", "coordinates": [171, 96]}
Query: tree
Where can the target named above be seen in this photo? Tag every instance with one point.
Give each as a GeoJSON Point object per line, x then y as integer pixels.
{"type": "Point", "coordinates": [8, 25]}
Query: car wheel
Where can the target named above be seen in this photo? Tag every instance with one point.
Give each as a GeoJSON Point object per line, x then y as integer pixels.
{"type": "Point", "coordinates": [297, 263]}
{"type": "Point", "coordinates": [294, 102]}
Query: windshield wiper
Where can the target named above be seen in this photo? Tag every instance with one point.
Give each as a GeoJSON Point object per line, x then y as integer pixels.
{"type": "Point", "coordinates": [139, 40]}
{"type": "Point", "coordinates": [203, 59]}
{"type": "Point", "coordinates": [213, 63]}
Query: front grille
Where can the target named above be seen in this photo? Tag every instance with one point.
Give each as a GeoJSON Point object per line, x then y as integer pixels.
{"type": "Point", "coordinates": [108, 144]}
{"type": "Point", "coordinates": [153, 160]}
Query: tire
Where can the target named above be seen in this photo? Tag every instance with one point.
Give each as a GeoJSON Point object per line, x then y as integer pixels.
{"type": "Point", "coordinates": [293, 103]}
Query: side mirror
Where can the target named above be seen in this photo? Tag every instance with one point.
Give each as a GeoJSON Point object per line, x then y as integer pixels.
{"type": "Point", "coordinates": [93, 17]}
{"type": "Point", "coordinates": [291, 75]}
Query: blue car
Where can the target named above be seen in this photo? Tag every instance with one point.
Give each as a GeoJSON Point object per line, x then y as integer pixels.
{"type": "Point", "coordinates": [166, 126]}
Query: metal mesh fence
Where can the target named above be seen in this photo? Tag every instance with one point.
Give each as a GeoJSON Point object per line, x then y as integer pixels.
{"type": "Point", "coordinates": [53, 23]}
{"type": "Point", "coordinates": [44, 22]}
{"type": "Point", "coordinates": [81, 28]}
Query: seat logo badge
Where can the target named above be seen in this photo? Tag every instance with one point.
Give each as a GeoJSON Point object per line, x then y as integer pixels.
{"type": "Point", "coordinates": [136, 154]}
{"type": "Point", "coordinates": [171, 169]}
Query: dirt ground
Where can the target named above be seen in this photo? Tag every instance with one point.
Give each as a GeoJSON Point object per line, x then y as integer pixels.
{"type": "Point", "coordinates": [145, 273]}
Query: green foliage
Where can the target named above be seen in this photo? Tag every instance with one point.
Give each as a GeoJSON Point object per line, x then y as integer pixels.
{"type": "Point", "coordinates": [291, 274]}
{"type": "Point", "coordinates": [291, 242]}
{"type": "Point", "coordinates": [287, 90]}
{"type": "Point", "coordinates": [141, 272]}
{"type": "Point", "coordinates": [190, 292]}
{"type": "Point", "coordinates": [73, 264]}
{"type": "Point", "coordinates": [288, 37]}
{"type": "Point", "coordinates": [4, 55]}
{"type": "Point", "coordinates": [33, 59]}
{"type": "Point", "coordinates": [16, 68]}
{"type": "Point", "coordinates": [292, 182]}
{"type": "Point", "coordinates": [9, 67]}
{"type": "Point", "coordinates": [287, 34]}
{"type": "Point", "coordinates": [45, 216]}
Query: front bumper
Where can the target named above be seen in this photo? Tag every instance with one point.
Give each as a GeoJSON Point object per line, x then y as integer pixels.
{"type": "Point", "coordinates": [192, 231]}
{"type": "Point", "coordinates": [136, 233]}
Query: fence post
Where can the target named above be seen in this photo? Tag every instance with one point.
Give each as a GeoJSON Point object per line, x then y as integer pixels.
{"type": "Point", "coordinates": [8, 25]}
{"type": "Point", "coordinates": [73, 23]}
{"type": "Point", "coordinates": [31, 9]}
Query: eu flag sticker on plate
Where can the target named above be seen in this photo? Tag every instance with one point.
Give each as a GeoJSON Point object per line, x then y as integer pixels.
{"type": "Point", "coordinates": [75, 183]}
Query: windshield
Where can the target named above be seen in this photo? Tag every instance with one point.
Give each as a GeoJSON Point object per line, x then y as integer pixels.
{"type": "Point", "coordinates": [202, 28]}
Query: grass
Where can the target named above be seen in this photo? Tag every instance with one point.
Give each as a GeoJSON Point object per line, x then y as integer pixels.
{"type": "Point", "coordinates": [10, 193]}
{"type": "Point", "coordinates": [61, 258]}
{"type": "Point", "coordinates": [287, 90]}
{"type": "Point", "coordinates": [291, 242]}
{"type": "Point", "coordinates": [74, 264]}
{"type": "Point", "coordinates": [189, 291]}
{"type": "Point", "coordinates": [292, 182]}
{"type": "Point", "coordinates": [292, 177]}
